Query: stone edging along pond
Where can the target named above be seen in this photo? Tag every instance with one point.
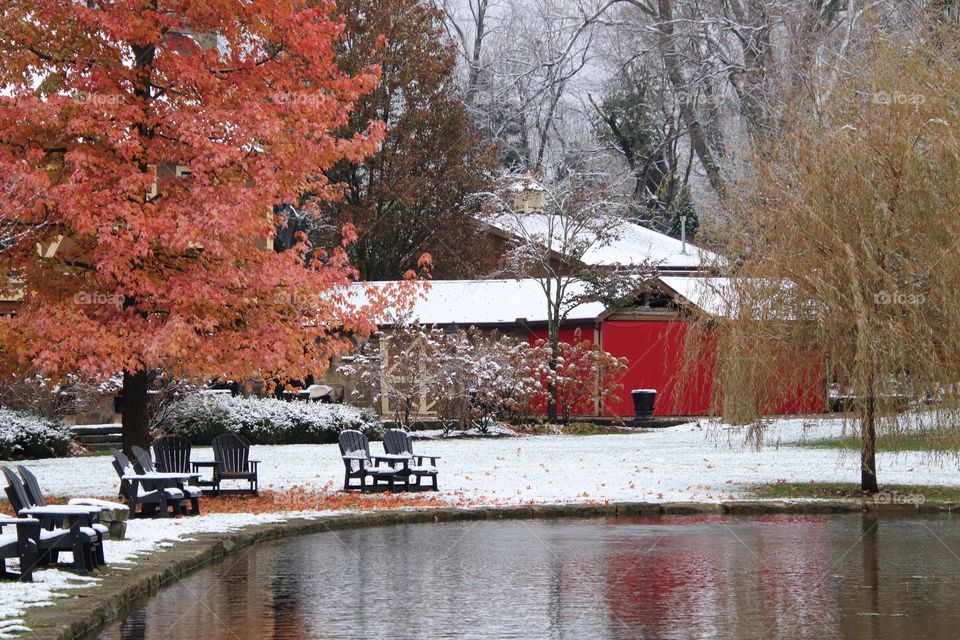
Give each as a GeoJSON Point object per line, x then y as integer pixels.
{"type": "Point", "coordinates": [87, 610]}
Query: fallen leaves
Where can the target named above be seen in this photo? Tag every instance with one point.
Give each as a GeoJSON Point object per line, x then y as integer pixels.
{"type": "Point", "coordinates": [303, 499]}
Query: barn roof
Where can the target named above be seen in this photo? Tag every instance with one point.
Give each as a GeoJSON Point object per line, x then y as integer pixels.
{"type": "Point", "coordinates": [487, 302]}
{"type": "Point", "coordinates": [630, 243]}
{"type": "Point", "coordinates": [710, 295]}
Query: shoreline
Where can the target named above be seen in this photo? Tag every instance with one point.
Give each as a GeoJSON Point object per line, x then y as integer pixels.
{"type": "Point", "coordinates": [87, 611]}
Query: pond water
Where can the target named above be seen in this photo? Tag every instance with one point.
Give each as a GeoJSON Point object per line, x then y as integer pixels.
{"type": "Point", "coordinates": [837, 576]}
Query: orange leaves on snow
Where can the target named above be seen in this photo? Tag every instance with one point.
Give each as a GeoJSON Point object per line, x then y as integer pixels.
{"type": "Point", "coordinates": [301, 499]}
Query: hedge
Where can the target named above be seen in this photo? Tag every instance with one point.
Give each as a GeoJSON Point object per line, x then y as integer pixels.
{"type": "Point", "coordinates": [266, 420]}
{"type": "Point", "coordinates": [26, 435]}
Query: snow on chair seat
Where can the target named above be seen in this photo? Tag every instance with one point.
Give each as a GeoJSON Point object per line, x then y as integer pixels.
{"type": "Point", "coordinates": [151, 495]}
{"type": "Point", "coordinates": [398, 442]}
{"type": "Point", "coordinates": [358, 465]}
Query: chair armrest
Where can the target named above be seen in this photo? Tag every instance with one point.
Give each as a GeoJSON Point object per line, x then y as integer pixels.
{"type": "Point", "coordinates": [59, 520]}
{"type": "Point", "coordinates": [18, 521]}
{"type": "Point", "coordinates": [432, 459]}
{"type": "Point", "coordinates": [253, 464]}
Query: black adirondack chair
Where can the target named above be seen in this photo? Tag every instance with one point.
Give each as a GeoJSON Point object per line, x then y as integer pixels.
{"type": "Point", "coordinates": [21, 545]}
{"type": "Point", "coordinates": [359, 465]}
{"type": "Point", "coordinates": [172, 454]}
{"type": "Point", "coordinates": [144, 464]}
{"type": "Point", "coordinates": [398, 442]}
{"type": "Point", "coordinates": [153, 498]}
{"type": "Point", "coordinates": [232, 455]}
{"type": "Point", "coordinates": [78, 537]}
{"type": "Point", "coordinates": [37, 499]}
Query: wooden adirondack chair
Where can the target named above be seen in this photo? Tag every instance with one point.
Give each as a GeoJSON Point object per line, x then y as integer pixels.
{"type": "Point", "coordinates": [153, 500]}
{"type": "Point", "coordinates": [172, 454]}
{"type": "Point", "coordinates": [79, 538]}
{"type": "Point", "coordinates": [35, 495]}
{"type": "Point", "coordinates": [399, 442]}
{"type": "Point", "coordinates": [359, 465]}
{"type": "Point", "coordinates": [144, 464]}
{"type": "Point", "coordinates": [22, 545]}
{"type": "Point", "coordinates": [232, 455]}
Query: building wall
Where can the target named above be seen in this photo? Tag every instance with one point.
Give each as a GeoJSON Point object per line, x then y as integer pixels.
{"type": "Point", "coordinates": [655, 351]}
{"type": "Point", "coordinates": [655, 354]}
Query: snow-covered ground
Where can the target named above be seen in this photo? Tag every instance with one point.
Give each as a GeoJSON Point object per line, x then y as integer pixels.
{"type": "Point", "coordinates": [690, 462]}
{"type": "Point", "coordinates": [686, 462]}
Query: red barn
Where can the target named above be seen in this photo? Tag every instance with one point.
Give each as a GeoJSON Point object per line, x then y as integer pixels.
{"type": "Point", "coordinates": [651, 334]}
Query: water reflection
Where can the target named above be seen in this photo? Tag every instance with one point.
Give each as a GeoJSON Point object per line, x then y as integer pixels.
{"type": "Point", "coordinates": [669, 577]}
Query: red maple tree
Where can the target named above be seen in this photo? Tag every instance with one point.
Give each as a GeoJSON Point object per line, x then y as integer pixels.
{"type": "Point", "coordinates": [236, 107]}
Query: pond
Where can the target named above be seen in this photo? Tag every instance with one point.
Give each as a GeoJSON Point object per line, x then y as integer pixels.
{"type": "Point", "coordinates": [848, 576]}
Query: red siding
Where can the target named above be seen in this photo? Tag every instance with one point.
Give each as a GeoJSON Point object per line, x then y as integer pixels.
{"type": "Point", "coordinates": [654, 353]}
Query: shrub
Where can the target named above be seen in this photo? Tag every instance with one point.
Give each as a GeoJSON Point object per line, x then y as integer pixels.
{"type": "Point", "coordinates": [266, 420]}
{"type": "Point", "coordinates": [26, 435]}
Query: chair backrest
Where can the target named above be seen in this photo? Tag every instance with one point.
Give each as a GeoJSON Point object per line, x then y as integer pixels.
{"type": "Point", "coordinates": [142, 460]}
{"type": "Point", "coordinates": [397, 441]}
{"type": "Point", "coordinates": [34, 492]}
{"type": "Point", "coordinates": [172, 454]}
{"type": "Point", "coordinates": [123, 467]}
{"type": "Point", "coordinates": [352, 441]}
{"type": "Point", "coordinates": [231, 452]}
{"type": "Point", "coordinates": [15, 491]}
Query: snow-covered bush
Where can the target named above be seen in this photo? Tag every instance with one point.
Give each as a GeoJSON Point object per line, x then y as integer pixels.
{"type": "Point", "coordinates": [27, 435]}
{"type": "Point", "coordinates": [266, 420]}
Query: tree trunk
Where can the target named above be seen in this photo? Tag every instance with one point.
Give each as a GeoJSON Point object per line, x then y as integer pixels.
{"type": "Point", "coordinates": [671, 62]}
{"type": "Point", "coordinates": [554, 336]}
{"type": "Point", "coordinates": [134, 418]}
{"type": "Point", "coordinates": [868, 451]}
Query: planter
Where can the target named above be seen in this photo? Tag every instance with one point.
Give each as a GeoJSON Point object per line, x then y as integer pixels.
{"type": "Point", "coordinates": [643, 403]}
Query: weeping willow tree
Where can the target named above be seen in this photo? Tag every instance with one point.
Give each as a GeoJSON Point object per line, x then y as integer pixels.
{"type": "Point", "coordinates": [846, 253]}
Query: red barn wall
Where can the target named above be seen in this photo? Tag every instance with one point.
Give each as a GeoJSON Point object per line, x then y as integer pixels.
{"type": "Point", "coordinates": [655, 351]}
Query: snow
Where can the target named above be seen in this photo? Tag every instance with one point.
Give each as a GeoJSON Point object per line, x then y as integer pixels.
{"type": "Point", "coordinates": [629, 243]}
{"type": "Point", "coordinates": [711, 295]}
{"type": "Point", "coordinates": [479, 302]}
{"type": "Point", "coordinates": [703, 462]}
{"type": "Point", "coordinates": [694, 461]}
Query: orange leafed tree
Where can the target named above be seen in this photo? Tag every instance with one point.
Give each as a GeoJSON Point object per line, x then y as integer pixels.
{"type": "Point", "coordinates": [236, 106]}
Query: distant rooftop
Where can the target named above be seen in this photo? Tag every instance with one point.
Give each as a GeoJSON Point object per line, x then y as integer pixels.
{"type": "Point", "coordinates": [629, 244]}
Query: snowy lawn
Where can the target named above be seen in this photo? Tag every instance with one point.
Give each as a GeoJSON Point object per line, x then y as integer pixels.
{"type": "Point", "coordinates": [690, 462]}
{"type": "Point", "coordinates": [687, 462]}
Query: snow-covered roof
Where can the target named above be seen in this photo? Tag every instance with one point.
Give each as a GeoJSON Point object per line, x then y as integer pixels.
{"type": "Point", "coordinates": [628, 243]}
{"type": "Point", "coordinates": [711, 295]}
{"type": "Point", "coordinates": [486, 302]}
